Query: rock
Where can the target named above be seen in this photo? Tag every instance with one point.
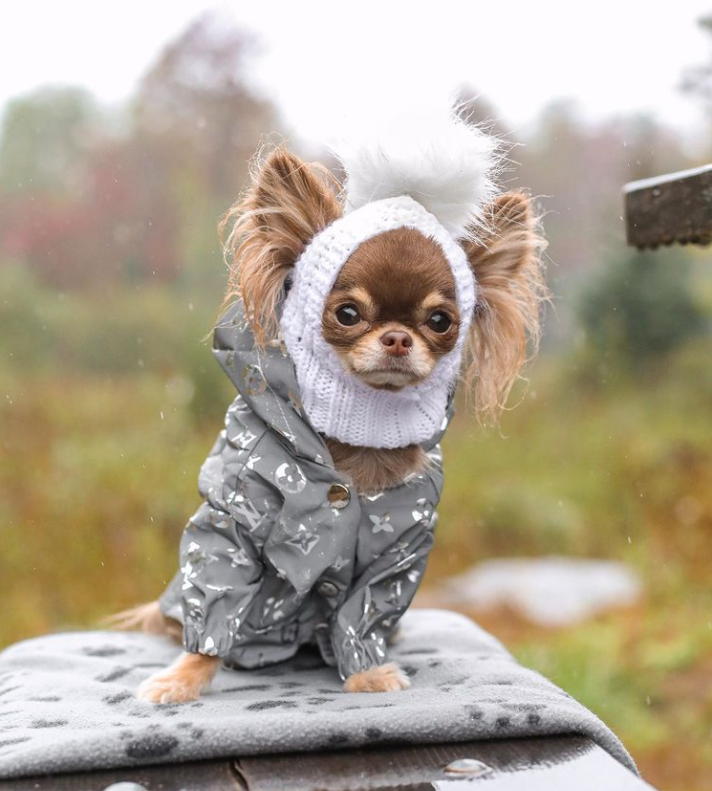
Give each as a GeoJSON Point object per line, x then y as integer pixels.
{"type": "Point", "coordinates": [549, 591]}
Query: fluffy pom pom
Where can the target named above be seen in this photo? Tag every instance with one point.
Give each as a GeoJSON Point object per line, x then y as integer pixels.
{"type": "Point", "coordinates": [439, 159]}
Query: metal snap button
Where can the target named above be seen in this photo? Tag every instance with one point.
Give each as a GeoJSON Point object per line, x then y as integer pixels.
{"type": "Point", "coordinates": [339, 495]}
{"type": "Point", "coordinates": [328, 589]}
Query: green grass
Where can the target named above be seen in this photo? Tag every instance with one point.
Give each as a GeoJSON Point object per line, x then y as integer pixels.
{"type": "Point", "coordinates": [620, 470]}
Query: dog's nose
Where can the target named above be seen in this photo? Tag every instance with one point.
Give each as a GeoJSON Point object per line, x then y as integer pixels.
{"type": "Point", "coordinates": [397, 343]}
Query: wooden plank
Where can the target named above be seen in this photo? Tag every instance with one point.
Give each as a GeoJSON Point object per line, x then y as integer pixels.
{"type": "Point", "coordinates": [543, 764]}
{"type": "Point", "coordinates": [672, 208]}
{"type": "Point", "coordinates": [198, 776]}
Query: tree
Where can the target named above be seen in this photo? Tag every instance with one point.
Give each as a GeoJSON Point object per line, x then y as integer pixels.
{"type": "Point", "coordinates": [640, 309]}
{"type": "Point", "coordinates": [197, 101]}
{"type": "Point", "coordinates": [46, 136]}
{"type": "Point", "coordinates": [84, 205]}
{"type": "Point", "coordinates": [698, 79]}
{"type": "Point", "coordinates": [197, 123]}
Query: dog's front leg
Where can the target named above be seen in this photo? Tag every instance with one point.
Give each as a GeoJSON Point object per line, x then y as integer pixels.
{"type": "Point", "coordinates": [381, 678]}
{"type": "Point", "coordinates": [182, 681]}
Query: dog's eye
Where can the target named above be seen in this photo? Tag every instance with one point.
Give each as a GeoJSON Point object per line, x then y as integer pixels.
{"type": "Point", "coordinates": [348, 315]}
{"type": "Point", "coordinates": [439, 322]}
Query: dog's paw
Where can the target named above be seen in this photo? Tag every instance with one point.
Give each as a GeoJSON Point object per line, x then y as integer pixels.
{"type": "Point", "coordinates": [385, 678]}
{"type": "Point", "coordinates": [166, 688]}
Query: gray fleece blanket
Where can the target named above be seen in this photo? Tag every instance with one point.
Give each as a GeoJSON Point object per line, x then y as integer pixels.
{"type": "Point", "coordinates": [67, 702]}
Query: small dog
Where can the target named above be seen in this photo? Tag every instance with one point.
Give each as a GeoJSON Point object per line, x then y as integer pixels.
{"type": "Point", "coordinates": [354, 315]}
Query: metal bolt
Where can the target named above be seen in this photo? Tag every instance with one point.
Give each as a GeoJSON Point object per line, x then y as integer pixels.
{"type": "Point", "coordinates": [468, 766]}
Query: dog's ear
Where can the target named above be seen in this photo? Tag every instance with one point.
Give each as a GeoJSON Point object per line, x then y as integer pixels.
{"type": "Point", "coordinates": [510, 290]}
{"type": "Point", "coordinates": [287, 204]}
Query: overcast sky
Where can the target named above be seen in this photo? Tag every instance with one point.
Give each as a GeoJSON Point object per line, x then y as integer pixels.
{"type": "Point", "coordinates": [320, 58]}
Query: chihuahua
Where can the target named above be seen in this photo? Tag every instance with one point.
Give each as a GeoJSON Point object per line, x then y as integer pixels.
{"type": "Point", "coordinates": [391, 310]}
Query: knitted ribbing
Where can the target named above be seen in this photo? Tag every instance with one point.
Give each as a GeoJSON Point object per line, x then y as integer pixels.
{"type": "Point", "coordinates": [336, 402]}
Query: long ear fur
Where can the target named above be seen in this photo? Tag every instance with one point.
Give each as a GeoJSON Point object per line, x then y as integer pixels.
{"type": "Point", "coordinates": [511, 289]}
{"type": "Point", "coordinates": [286, 205]}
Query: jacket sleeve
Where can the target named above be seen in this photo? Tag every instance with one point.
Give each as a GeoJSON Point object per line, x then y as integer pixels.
{"type": "Point", "coordinates": [378, 600]}
{"type": "Point", "coordinates": [220, 550]}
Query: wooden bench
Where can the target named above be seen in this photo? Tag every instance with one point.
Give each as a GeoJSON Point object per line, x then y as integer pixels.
{"type": "Point", "coordinates": [567, 763]}
{"type": "Point", "coordinates": [676, 207]}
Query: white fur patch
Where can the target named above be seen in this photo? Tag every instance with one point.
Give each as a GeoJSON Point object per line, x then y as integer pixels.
{"type": "Point", "coordinates": [438, 159]}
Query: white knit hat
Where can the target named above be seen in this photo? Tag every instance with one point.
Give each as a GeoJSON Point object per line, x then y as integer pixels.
{"type": "Point", "coordinates": [460, 160]}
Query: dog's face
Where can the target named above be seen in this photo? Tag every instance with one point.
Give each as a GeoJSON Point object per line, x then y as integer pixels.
{"type": "Point", "coordinates": [392, 312]}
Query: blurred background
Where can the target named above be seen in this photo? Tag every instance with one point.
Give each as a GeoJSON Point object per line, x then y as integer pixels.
{"type": "Point", "coordinates": [124, 136]}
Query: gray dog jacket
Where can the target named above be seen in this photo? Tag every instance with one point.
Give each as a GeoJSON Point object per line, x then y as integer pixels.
{"type": "Point", "coordinates": [283, 551]}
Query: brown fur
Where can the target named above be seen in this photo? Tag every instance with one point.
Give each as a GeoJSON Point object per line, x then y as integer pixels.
{"type": "Point", "coordinates": [375, 469]}
{"type": "Point", "coordinates": [288, 203]}
{"type": "Point", "coordinates": [511, 290]}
